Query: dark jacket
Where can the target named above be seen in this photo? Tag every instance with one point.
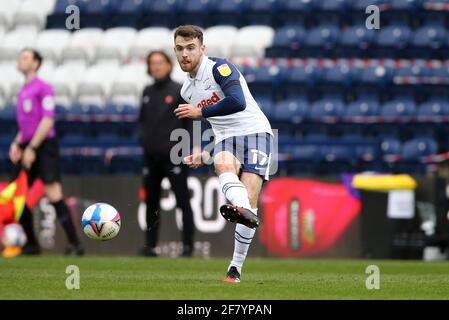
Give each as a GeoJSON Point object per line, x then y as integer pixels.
{"type": "Point", "coordinates": [157, 119]}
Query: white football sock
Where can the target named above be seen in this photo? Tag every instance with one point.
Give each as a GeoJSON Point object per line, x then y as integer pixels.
{"type": "Point", "coordinates": [234, 190]}
{"type": "Point", "coordinates": [243, 237]}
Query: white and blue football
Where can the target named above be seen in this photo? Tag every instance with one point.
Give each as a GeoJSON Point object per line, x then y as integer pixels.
{"type": "Point", "coordinates": [14, 236]}
{"type": "Point", "coordinates": [101, 221]}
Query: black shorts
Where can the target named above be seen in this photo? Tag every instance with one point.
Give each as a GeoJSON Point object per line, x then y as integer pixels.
{"type": "Point", "coordinates": [46, 166]}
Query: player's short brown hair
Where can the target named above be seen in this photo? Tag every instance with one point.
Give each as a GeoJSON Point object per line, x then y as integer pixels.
{"type": "Point", "coordinates": [189, 32]}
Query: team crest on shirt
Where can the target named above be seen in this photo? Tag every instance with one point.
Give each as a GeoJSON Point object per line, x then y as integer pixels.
{"type": "Point", "coordinates": [224, 70]}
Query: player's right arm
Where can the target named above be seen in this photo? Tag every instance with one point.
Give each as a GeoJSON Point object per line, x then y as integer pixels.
{"type": "Point", "coordinates": [197, 158]}
{"type": "Point", "coordinates": [15, 152]}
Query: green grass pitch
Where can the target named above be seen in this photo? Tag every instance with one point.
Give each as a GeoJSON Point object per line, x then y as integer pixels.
{"type": "Point", "coordinates": [163, 278]}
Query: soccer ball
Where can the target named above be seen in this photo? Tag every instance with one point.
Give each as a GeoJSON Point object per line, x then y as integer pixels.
{"type": "Point", "coordinates": [101, 222]}
{"type": "Point", "coordinates": [14, 236]}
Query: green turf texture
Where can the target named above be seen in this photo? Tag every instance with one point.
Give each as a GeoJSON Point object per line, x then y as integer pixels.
{"type": "Point", "coordinates": [164, 278]}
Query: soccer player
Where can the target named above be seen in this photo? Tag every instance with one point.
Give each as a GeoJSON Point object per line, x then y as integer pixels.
{"type": "Point", "coordinates": [36, 149]}
{"type": "Point", "coordinates": [156, 122]}
{"type": "Point", "coordinates": [216, 90]}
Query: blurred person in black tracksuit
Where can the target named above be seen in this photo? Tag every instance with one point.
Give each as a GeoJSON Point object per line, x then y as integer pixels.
{"type": "Point", "coordinates": [156, 123]}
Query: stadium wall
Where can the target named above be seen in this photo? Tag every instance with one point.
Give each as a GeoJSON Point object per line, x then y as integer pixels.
{"type": "Point", "coordinates": [301, 218]}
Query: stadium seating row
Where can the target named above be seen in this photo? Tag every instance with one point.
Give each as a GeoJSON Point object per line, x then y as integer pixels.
{"type": "Point", "coordinates": [100, 156]}
{"type": "Point", "coordinates": [124, 43]}
{"type": "Point", "coordinates": [391, 41]}
{"type": "Point", "coordinates": [142, 13]}
{"type": "Point", "coordinates": [105, 82]}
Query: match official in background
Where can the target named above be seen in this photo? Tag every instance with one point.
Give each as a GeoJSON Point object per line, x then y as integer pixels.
{"type": "Point", "coordinates": [36, 149]}
{"type": "Point", "coordinates": [156, 123]}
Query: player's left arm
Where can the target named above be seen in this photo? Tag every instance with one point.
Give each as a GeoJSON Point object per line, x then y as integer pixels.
{"type": "Point", "coordinates": [45, 125]}
{"type": "Point", "coordinates": [228, 77]}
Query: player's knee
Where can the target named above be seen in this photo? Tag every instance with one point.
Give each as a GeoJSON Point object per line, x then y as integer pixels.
{"type": "Point", "coordinates": [222, 168]}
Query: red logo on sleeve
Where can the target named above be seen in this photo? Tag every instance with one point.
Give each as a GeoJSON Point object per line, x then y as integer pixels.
{"type": "Point", "coordinates": [207, 102]}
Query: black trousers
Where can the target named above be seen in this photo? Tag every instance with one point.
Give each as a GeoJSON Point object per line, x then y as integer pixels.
{"type": "Point", "coordinates": [158, 168]}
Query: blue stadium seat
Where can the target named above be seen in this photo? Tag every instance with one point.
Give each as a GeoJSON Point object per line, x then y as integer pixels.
{"type": "Point", "coordinates": [409, 76]}
{"type": "Point", "coordinates": [391, 147]}
{"type": "Point", "coordinates": [127, 13]}
{"type": "Point", "coordinates": [300, 77]}
{"type": "Point", "coordinates": [316, 136]}
{"type": "Point", "coordinates": [319, 39]}
{"type": "Point", "coordinates": [367, 152]}
{"type": "Point", "coordinates": [355, 41]}
{"type": "Point", "coordinates": [368, 158]}
{"type": "Point", "coordinates": [8, 112]}
{"type": "Point", "coordinates": [372, 80]}
{"type": "Point", "coordinates": [123, 164]}
{"type": "Point", "coordinates": [441, 72]}
{"type": "Point", "coordinates": [73, 140]}
{"type": "Point", "coordinates": [392, 39]}
{"type": "Point", "coordinates": [229, 12]}
{"type": "Point", "coordinates": [5, 140]}
{"type": "Point", "coordinates": [85, 109]}
{"type": "Point", "coordinates": [287, 40]}
{"type": "Point", "coordinates": [341, 74]}
{"type": "Point", "coordinates": [92, 165]}
{"type": "Point", "coordinates": [61, 110]}
{"type": "Point", "coordinates": [354, 137]}
{"type": "Point", "coordinates": [267, 80]}
{"type": "Point", "coordinates": [327, 108]}
{"type": "Point", "coordinates": [107, 139]}
{"type": "Point", "coordinates": [294, 12]}
{"type": "Point", "coordinates": [305, 158]}
{"type": "Point", "coordinates": [413, 71]}
{"type": "Point", "coordinates": [306, 152]}
{"type": "Point", "coordinates": [363, 108]}
{"type": "Point", "coordinates": [330, 10]}
{"type": "Point", "coordinates": [292, 110]}
{"type": "Point", "coordinates": [409, 5]}
{"type": "Point", "coordinates": [415, 149]}
{"type": "Point", "coordinates": [412, 153]}
{"type": "Point", "coordinates": [337, 79]}
{"type": "Point", "coordinates": [332, 5]}
{"type": "Point", "coordinates": [428, 42]}
{"type": "Point", "coordinates": [337, 159]}
{"type": "Point", "coordinates": [195, 12]}
{"type": "Point", "coordinates": [398, 108]}
{"type": "Point", "coordinates": [361, 5]}
{"type": "Point", "coordinates": [402, 11]}
{"type": "Point", "coordinates": [431, 15]}
{"type": "Point", "coordinates": [430, 36]}
{"type": "Point", "coordinates": [97, 13]}
{"type": "Point", "coordinates": [160, 13]}
{"type": "Point", "coordinates": [434, 108]}
{"type": "Point", "coordinates": [261, 12]}
{"type": "Point", "coordinates": [376, 75]}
